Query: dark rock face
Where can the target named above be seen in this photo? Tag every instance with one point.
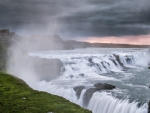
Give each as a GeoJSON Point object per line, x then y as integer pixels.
{"type": "Point", "coordinates": [121, 64]}
{"type": "Point", "coordinates": [89, 92]}
{"type": "Point", "coordinates": [99, 86]}
{"type": "Point", "coordinates": [78, 90]}
{"type": "Point", "coordinates": [104, 86]}
{"type": "Point", "coordinates": [114, 61]}
{"type": "Point", "coordinates": [4, 31]}
{"type": "Point", "coordinates": [148, 67]}
{"type": "Point", "coordinates": [118, 59]}
{"type": "Point", "coordinates": [90, 60]}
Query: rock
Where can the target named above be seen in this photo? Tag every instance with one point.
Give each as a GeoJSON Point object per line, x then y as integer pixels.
{"type": "Point", "coordinates": [118, 59]}
{"type": "Point", "coordinates": [90, 60]}
{"type": "Point", "coordinates": [104, 86]}
{"type": "Point", "coordinates": [148, 67]}
{"type": "Point", "coordinates": [89, 92]}
{"type": "Point", "coordinates": [24, 98]}
{"type": "Point", "coordinates": [99, 86]}
{"type": "Point", "coordinates": [78, 90]}
{"type": "Point", "coordinates": [114, 61]}
{"type": "Point", "coordinates": [4, 31]}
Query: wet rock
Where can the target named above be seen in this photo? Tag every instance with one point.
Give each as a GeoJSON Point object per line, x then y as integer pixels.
{"type": "Point", "coordinates": [118, 59]}
{"type": "Point", "coordinates": [90, 60]}
{"type": "Point", "coordinates": [78, 90]}
{"type": "Point", "coordinates": [81, 75]}
{"type": "Point", "coordinates": [89, 92]}
{"type": "Point", "coordinates": [113, 61]}
{"type": "Point", "coordinates": [104, 86]}
{"type": "Point", "coordinates": [103, 65]}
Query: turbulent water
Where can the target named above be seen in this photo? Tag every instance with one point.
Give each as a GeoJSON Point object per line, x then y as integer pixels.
{"type": "Point", "coordinates": [127, 69]}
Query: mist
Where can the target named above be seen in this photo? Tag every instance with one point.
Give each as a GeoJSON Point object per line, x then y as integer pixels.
{"type": "Point", "coordinates": [41, 22]}
{"type": "Point", "coordinates": [34, 69]}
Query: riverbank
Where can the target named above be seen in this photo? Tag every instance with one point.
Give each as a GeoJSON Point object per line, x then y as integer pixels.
{"type": "Point", "coordinates": [17, 96]}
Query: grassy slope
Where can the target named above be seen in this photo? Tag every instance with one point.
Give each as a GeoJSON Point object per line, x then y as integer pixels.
{"type": "Point", "coordinates": [3, 55]}
{"type": "Point", "coordinates": [17, 97]}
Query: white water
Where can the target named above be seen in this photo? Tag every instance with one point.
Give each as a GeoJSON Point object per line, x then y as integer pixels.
{"type": "Point", "coordinates": [120, 67]}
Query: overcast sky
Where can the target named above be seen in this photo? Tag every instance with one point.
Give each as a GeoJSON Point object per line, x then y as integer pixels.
{"type": "Point", "coordinates": [76, 18]}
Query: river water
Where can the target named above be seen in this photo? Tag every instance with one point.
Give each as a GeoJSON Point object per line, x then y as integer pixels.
{"type": "Point", "coordinates": [127, 69]}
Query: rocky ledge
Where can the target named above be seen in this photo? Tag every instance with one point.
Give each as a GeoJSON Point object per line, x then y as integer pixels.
{"type": "Point", "coordinates": [89, 92]}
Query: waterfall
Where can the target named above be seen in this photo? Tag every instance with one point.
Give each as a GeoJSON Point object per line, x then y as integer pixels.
{"type": "Point", "coordinates": [103, 103]}
{"type": "Point", "coordinates": [79, 67]}
{"type": "Point", "coordinates": [100, 102]}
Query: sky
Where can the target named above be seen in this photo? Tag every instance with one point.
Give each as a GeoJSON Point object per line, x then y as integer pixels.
{"type": "Point", "coordinates": [105, 21]}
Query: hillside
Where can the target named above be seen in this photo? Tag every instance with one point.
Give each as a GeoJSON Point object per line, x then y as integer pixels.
{"type": "Point", "coordinates": [79, 44]}
{"type": "Point", "coordinates": [17, 97]}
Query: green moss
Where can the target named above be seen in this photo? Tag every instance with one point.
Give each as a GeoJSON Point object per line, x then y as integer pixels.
{"type": "Point", "coordinates": [17, 97]}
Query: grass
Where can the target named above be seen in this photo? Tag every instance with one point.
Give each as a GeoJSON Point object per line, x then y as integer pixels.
{"type": "Point", "coordinates": [3, 55]}
{"type": "Point", "coordinates": [17, 97]}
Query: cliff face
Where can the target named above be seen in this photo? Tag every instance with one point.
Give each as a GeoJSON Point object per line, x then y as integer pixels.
{"type": "Point", "coordinates": [5, 41]}
{"type": "Point", "coordinates": [6, 36]}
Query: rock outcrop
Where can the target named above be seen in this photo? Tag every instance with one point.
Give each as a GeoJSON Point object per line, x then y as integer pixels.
{"type": "Point", "coordinates": [104, 86]}
{"type": "Point", "coordinates": [6, 36]}
{"type": "Point", "coordinates": [78, 90]}
{"type": "Point", "coordinates": [89, 92]}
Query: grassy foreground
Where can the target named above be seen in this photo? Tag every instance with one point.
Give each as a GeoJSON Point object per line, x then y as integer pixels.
{"type": "Point", "coordinates": [17, 97]}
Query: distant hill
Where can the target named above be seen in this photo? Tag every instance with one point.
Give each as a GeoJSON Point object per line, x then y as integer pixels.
{"type": "Point", "coordinates": [79, 44]}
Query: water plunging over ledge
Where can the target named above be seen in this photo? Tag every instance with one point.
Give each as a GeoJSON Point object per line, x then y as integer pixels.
{"type": "Point", "coordinates": [127, 69]}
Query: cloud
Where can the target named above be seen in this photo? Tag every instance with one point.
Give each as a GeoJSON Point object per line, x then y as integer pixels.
{"type": "Point", "coordinates": [76, 18]}
{"type": "Point", "coordinates": [137, 40]}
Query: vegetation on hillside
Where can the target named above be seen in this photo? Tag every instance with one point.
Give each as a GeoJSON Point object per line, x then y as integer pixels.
{"type": "Point", "coordinates": [3, 55]}
{"type": "Point", "coordinates": [17, 97]}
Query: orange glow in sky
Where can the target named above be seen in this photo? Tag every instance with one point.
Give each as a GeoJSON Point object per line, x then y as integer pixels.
{"type": "Point", "coordinates": [142, 40]}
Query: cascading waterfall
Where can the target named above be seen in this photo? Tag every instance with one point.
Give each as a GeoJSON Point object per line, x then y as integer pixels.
{"type": "Point", "coordinates": [103, 103]}
{"type": "Point", "coordinates": [82, 68]}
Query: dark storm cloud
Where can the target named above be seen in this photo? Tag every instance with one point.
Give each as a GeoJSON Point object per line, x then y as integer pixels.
{"type": "Point", "coordinates": [76, 18]}
{"type": "Point", "coordinates": [115, 18]}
